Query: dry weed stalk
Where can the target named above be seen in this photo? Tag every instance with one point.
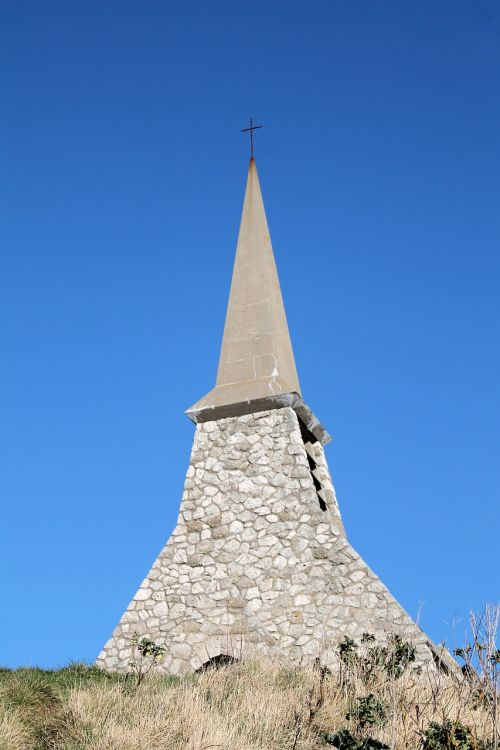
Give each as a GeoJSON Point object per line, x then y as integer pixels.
{"type": "Point", "coordinates": [481, 668]}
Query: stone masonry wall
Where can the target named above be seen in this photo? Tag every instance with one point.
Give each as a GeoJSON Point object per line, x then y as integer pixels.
{"type": "Point", "coordinates": [255, 566]}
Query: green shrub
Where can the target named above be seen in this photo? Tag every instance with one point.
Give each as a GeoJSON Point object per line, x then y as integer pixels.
{"type": "Point", "coordinates": [348, 651]}
{"type": "Point", "coordinates": [449, 736]}
{"type": "Point", "coordinates": [398, 654]}
{"type": "Point", "coordinates": [368, 711]}
{"type": "Point", "coordinates": [393, 658]}
{"type": "Point", "coordinates": [345, 740]}
{"type": "Point", "coordinates": [145, 655]}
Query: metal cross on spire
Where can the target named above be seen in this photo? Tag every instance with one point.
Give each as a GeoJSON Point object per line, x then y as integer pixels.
{"type": "Point", "coordinates": [250, 130]}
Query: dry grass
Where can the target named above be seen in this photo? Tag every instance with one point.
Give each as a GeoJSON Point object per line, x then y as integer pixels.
{"type": "Point", "coordinates": [14, 735]}
{"type": "Point", "coordinates": [254, 706]}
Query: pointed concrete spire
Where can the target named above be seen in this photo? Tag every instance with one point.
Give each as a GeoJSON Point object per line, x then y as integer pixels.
{"type": "Point", "coordinates": [256, 359]}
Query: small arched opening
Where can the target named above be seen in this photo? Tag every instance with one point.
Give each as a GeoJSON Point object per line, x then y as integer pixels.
{"type": "Point", "coordinates": [221, 660]}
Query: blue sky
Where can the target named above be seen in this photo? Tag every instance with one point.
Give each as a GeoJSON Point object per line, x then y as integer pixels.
{"type": "Point", "coordinates": [122, 172]}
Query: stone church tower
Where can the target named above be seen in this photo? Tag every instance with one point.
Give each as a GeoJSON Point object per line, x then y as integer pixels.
{"type": "Point", "coordinates": [258, 563]}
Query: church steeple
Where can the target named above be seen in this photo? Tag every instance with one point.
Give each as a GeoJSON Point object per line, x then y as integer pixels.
{"type": "Point", "coordinates": [259, 549]}
{"type": "Point", "coordinates": [256, 359]}
{"type": "Point", "coordinates": [256, 366]}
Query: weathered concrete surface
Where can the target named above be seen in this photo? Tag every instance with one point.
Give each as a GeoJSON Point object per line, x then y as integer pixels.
{"type": "Point", "coordinates": [255, 565]}
{"type": "Point", "coordinates": [256, 359]}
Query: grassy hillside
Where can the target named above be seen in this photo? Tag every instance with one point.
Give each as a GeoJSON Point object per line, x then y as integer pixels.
{"type": "Point", "coordinates": [250, 706]}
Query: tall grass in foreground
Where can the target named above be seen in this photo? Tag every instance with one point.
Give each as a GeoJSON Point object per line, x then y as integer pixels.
{"type": "Point", "coordinates": [249, 706]}
{"type": "Point", "coordinates": [376, 699]}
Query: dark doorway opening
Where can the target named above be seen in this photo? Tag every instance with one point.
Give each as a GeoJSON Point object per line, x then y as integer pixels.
{"type": "Point", "coordinates": [222, 660]}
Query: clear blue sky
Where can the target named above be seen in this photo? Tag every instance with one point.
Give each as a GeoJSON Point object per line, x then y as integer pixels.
{"type": "Point", "coordinates": [122, 172]}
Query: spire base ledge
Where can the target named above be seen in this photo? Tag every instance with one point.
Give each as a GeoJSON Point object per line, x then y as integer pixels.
{"type": "Point", "coordinates": [202, 412]}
